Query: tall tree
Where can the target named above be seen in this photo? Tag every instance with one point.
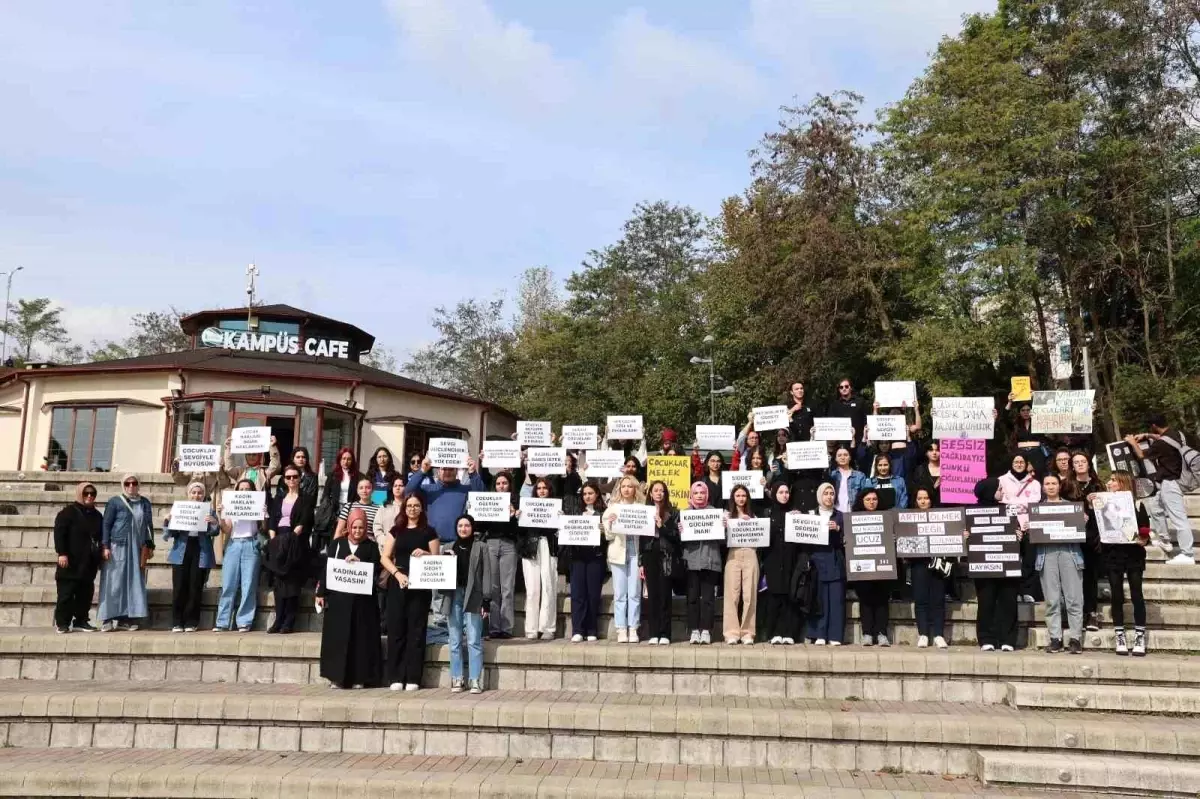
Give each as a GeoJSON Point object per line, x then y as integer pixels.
{"type": "Point", "coordinates": [426, 365]}
{"type": "Point", "coordinates": [34, 321]}
{"type": "Point", "coordinates": [474, 345]}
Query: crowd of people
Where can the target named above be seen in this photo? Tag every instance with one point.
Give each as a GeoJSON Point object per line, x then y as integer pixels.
{"type": "Point", "coordinates": [783, 594]}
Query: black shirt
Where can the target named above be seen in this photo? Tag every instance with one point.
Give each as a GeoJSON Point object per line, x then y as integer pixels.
{"type": "Point", "coordinates": [1168, 463]}
{"type": "Point", "coordinates": [462, 551]}
{"type": "Point", "coordinates": [408, 539]}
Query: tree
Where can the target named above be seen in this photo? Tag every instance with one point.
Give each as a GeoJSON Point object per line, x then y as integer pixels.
{"type": "Point", "coordinates": [425, 364]}
{"type": "Point", "coordinates": [537, 298]}
{"type": "Point", "coordinates": [380, 357]}
{"type": "Point", "coordinates": [157, 332]}
{"type": "Point", "coordinates": [472, 353]}
{"type": "Point", "coordinates": [34, 321]}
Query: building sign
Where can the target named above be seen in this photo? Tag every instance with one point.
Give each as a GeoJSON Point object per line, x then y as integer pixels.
{"type": "Point", "coordinates": [283, 343]}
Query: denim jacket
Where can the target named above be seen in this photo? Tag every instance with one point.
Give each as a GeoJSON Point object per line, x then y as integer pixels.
{"type": "Point", "coordinates": [858, 482]}
{"type": "Point", "coordinates": [208, 558]}
{"type": "Point", "coordinates": [118, 523]}
{"type": "Point", "coordinates": [1074, 549]}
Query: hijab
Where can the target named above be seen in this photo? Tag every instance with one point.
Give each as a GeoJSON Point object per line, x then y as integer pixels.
{"type": "Point", "coordinates": [79, 489]}
{"type": "Point", "coordinates": [778, 509]}
{"type": "Point", "coordinates": [203, 488]}
{"type": "Point", "coordinates": [1019, 476]}
{"type": "Point", "coordinates": [126, 479]}
{"type": "Point", "coordinates": [820, 489]}
{"type": "Point", "coordinates": [699, 484]}
{"type": "Point", "coordinates": [353, 516]}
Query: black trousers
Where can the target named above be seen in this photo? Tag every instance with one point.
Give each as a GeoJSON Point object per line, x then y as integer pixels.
{"type": "Point", "coordinates": [1116, 583]}
{"type": "Point", "coordinates": [285, 613]}
{"type": "Point", "coordinates": [587, 582]}
{"type": "Point", "coordinates": [408, 618]}
{"type": "Point", "coordinates": [929, 598]}
{"type": "Point", "coordinates": [1031, 581]}
{"type": "Point", "coordinates": [1093, 567]}
{"type": "Point", "coordinates": [74, 599]}
{"type": "Point", "coordinates": [781, 617]}
{"type": "Point", "coordinates": [996, 623]}
{"type": "Point", "coordinates": [701, 588]}
{"type": "Point", "coordinates": [188, 581]}
{"type": "Point", "coordinates": [874, 605]}
{"type": "Point", "coordinates": [656, 607]}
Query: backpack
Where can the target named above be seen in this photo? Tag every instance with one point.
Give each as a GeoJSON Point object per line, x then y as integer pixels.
{"type": "Point", "coordinates": [1189, 475]}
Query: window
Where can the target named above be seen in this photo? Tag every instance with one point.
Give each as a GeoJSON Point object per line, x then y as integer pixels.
{"type": "Point", "coordinates": [189, 423]}
{"type": "Point", "coordinates": [307, 437]}
{"type": "Point", "coordinates": [263, 326]}
{"type": "Point", "coordinates": [337, 431]}
{"type": "Point", "coordinates": [81, 439]}
{"type": "Point", "coordinates": [220, 422]}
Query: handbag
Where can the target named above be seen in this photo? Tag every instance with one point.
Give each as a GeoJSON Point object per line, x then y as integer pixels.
{"type": "Point", "coordinates": [942, 566]}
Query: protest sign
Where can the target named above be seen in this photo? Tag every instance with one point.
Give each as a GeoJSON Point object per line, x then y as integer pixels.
{"type": "Point", "coordinates": [436, 572]}
{"type": "Point", "coordinates": [604, 463]}
{"type": "Point", "coordinates": [579, 531]}
{"type": "Point", "coordinates": [807, 528]}
{"type": "Point", "coordinates": [501, 455]}
{"type": "Point", "coordinates": [676, 472]}
{"type": "Point", "coordinates": [247, 440]}
{"type": "Point", "coordinates": [993, 549]}
{"type": "Point", "coordinates": [963, 417]}
{"type": "Point", "coordinates": [199, 458]}
{"type": "Point", "coordinates": [1116, 517]}
{"type": "Point", "coordinates": [1022, 389]}
{"type": "Point", "coordinates": [707, 524]}
{"type": "Point", "coordinates": [1062, 412]}
{"type": "Point", "coordinates": [964, 463]}
{"type": "Point", "coordinates": [448, 453]}
{"type": "Point", "coordinates": [580, 436]}
{"type": "Point", "coordinates": [534, 434]}
{"type": "Point", "coordinates": [887, 428]}
{"type": "Point", "coordinates": [538, 512]}
{"type": "Point", "coordinates": [1121, 456]}
{"type": "Point", "coordinates": [937, 532]}
{"type": "Point", "coordinates": [870, 548]}
{"type": "Point", "coordinates": [711, 437]}
{"type": "Point", "coordinates": [244, 505]}
{"type": "Point", "coordinates": [807, 455]}
{"type": "Point", "coordinates": [748, 533]}
{"type": "Point", "coordinates": [1057, 523]}
{"type": "Point", "coordinates": [350, 577]}
{"type": "Point", "coordinates": [631, 519]}
{"type": "Point", "coordinates": [542, 461]}
{"type": "Point", "coordinates": [489, 506]}
{"type": "Point", "coordinates": [751, 480]}
{"type": "Point", "coordinates": [895, 393]}
{"type": "Point", "coordinates": [770, 417]}
{"type": "Point", "coordinates": [832, 428]}
{"type": "Point", "coordinates": [189, 517]}
{"type": "Point", "coordinates": [624, 427]}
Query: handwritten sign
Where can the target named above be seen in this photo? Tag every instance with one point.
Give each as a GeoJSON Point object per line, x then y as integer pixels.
{"type": "Point", "coordinates": [189, 517]}
{"type": "Point", "coordinates": [541, 461]}
{"type": "Point", "coordinates": [433, 572]}
{"type": "Point", "coordinates": [870, 547]}
{"type": "Point", "coordinates": [489, 506]}
{"type": "Point", "coordinates": [248, 440]}
{"type": "Point", "coordinates": [711, 437]}
{"type": "Point", "coordinates": [580, 436]}
{"type": "Point", "coordinates": [579, 531]}
{"type": "Point", "coordinates": [632, 519]}
{"type": "Point", "coordinates": [501, 454]}
{"type": "Point", "coordinates": [748, 533]}
{"type": "Point", "coordinates": [538, 512]}
{"type": "Point", "coordinates": [993, 549]}
{"type": "Point", "coordinates": [770, 417]}
{"type": "Point", "coordinates": [1022, 389]}
{"type": "Point", "coordinates": [702, 525]}
{"type": "Point", "coordinates": [937, 532]}
{"type": "Point", "coordinates": [448, 453]}
{"type": "Point", "coordinates": [676, 472]}
{"type": "Point", "coordinates": [605, 463]}
{"type": "Point", "coordinates": [964, 463]}
{"type": "Point", "coordinates": [625, 427]}
{"type": "Point", "coordinates": [244, 505]}
{"type": "Point", "coordinates": [805, 528]}
{"type": "Point", "coordinates": [890, 427]}
{"type": "Point", "coordinates": [807, 455]}
{"type": "Point", "coordinates": [1116, 517]}
{"type": "Point", "coordinates": [833, 428]}
{"type": "Point", "coordinates": [1057, 523]}
{"type": "Point", "coordinates": [751, 480]}
{"type": "Point", "coordinates": [1062, 412]}
{"type": "Point", "coordinates": [350, 577]}
{"type": "Point", "coordinates": [963, 417]}
{"type": "Point", "coordinates": [200, 458]}
{"type": "Point", "coordinates": [895, 393]}
{"type": "Point", "coordinates": [533, 434]}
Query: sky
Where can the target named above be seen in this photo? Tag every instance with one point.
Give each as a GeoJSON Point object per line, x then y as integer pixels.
{"type": "Point", "coordinates": [379, 158]}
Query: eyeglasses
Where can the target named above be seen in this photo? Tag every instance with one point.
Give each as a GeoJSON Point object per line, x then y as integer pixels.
{"type": "Point", "coordinates": [291, 477]}
{"type": "Point", "coordinates": [844, 386]}
{"type": "Point", "coordinates": [131, 482]}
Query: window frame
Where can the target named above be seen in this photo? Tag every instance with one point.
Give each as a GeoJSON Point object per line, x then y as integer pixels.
{"type": "Point", "coordinates": [69, 448]}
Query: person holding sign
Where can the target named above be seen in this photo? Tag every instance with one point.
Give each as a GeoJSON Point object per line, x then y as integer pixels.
{"type": "Point", "coordinates": [1079, 487]}
{"type": "Point", "coordinates": [829, 624]}
{"type": "Point", "coordinates": [252, 468]}
{"type": "Point", "coordinates": [928, 474]}
{"type": "Point", "coordinates": [77, 534]}
{"type": "Point", "coordinates": [446, 495]}
{"type": "Point", "coordinates": [703, 559]}
{"type": "Point", "coordinates": [747, 441]}
{"type": "Point", "coordinates": [850, 406]}
{"type": "Point", "coordinates": [127, 539]}
{"type": "Point", "coordinates": [501, 541]}
{"type": "Point", "coordinates": [213, 481]}
{"type": "Point", "coordinates": [741, 577]}
{"type": "Point", "coordinates": [391, 512]}
{"type": "Point", "coordinates": [1061, 570]}
{"type": "Point", "coordinates": [928, 588]}
{"type": "Point", "coordinates": [191, 557]}
{"type": "Point", "coordinates": [1019, 487]}
{"type": "Point", "coordinates": [847, 481]}
{"type": "Point", "coordinates": [714, 464]}
{"type": "Point", "coordinates": [893, 492]}
{"type": "Point", "coordinates": [339, 489]}
{"type": "Point", "coordinates": [239, 570]}
{"type": "Point", "coordinates": [350, 656]}
{"type": "Point", "coordinates": [782, 563]}
{"type": "Point", "coordinates": [468, 606]}
{"type": "Point", "coordinates": [622, 556]}
{"type": "Point", "coordinates": [996, 597]}
{"type": "Point", "coordinates": [800, 414]}
{"type": "Point", "coordinates": [1128, 562]}
{"type": "Point", "coordinates": [407, 608]}
{"type": "Point", "coordinates": [288, 550]}
{"type": "Point", "coordinates": [587, 573]}
{"type": "Point", "coordinates": [874, 596]}
{"type": "Point", "coordinates": [658, 557]}
{"type": "Point", "coordinates": [539, 567]}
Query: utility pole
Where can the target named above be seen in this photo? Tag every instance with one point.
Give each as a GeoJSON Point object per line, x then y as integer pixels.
{"type": "Point", "coordinates": [7, 300]}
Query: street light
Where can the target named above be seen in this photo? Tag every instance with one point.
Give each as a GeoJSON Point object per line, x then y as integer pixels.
{"type": "Point", "coordinates": [713, 393]}
{"type": "Point", "coordinates": [7, 299]}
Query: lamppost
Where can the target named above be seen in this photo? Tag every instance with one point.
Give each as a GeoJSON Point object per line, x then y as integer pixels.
{"type": "Point", "coordinates": [713, 391]}
{"type": "Point", "coordinates": [7, 299]}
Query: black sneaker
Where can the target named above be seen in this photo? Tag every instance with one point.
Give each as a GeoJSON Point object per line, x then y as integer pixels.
{"type": "Point", "coordinates": [83, 628]}
{"type": "Point", "coordinates": [1076, 647]}
{"type": "Point", "coordinates": [1093, 622]}
{"type": "Point", "coordinates": [61, 630]}
{"type": "Point", "coordinates": [1055, 647]}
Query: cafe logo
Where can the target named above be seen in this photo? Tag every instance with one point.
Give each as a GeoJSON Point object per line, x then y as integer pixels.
{"type": "Point", "coordinates": [283, 343]}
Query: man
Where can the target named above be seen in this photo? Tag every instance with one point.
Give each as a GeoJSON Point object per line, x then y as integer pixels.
{"type": "Point", "coordinates": [846, 404]}
{"type": "Point", "coordinates": [1169, 514]}
{"type": "Point", "coordinates": [800, 413]}
{"type": "Point", "coordinates": [445, 496]}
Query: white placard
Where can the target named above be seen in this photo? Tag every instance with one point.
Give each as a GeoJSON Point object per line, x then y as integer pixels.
{"type": "Point", "coordinates": [538, 512]}
{"type": "Point", "coordinates": [707, 524]}
{"type": "Point", "coordinates": [489, 506]}
{"type": "Point", "coordinates": [624, 427]}
{"type": "Point", "coordinates": [579, 531]}
{"type": "Point", "coordinates": [580, 436]}
{"type": "Point", "coordinates": [541, 461]}
{"type": "Point", "coordinates": [200, 458]}
{"type": "Point", "coordinates": [748, 533]}
{"type": "Point", "coordinates": [770, 417]}
{"type": "Point", "coordinates": [895, 393]}
{"type": "Point", "coordinates": [448, 453]}
{"type": "Point", "coordinates": [248, 440]}
{"type": "Point", "coordinates": [804, 528]}
{"type": "Point", "coordinates": [435, 572]}
{"type": "Point", "coordinates": [710, 437]}
{"type": "Point", "coordinates": [534, 434]}
{"type": "Point", "coordinates": [631, 519]}
{"type": "Point", "coordinates": [605, 463]}
{"type": "Point", "coordinates": [1116, 517]}
{"type": "Point", "coordinates": [887, 428]}
{"type": "Point", "coordinates": [501, 455]}
{"type": "Point", "coordinates": [751, 480]}
{"type": "Point", "coordinates": [963, 417]}
{"type": "Point", "coordinates": [244, 505]}
{"type": "Point", "coordinates": [1062, 412]}
{"type": "Point", "coordinates": [350, 577]}
{"type": "Point", "coordinates": [807, 455]}
{"type": "Point", "coordinates": [189, 517]}
{"type": "Point", "coordinates": [833, 428]}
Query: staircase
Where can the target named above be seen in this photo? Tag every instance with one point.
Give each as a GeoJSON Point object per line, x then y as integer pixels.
{"type": "Point", "coordinates": [170, 715]}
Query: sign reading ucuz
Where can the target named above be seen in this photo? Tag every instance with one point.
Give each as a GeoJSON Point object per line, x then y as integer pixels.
{"type": "Point", "coordinates": [283, 343]}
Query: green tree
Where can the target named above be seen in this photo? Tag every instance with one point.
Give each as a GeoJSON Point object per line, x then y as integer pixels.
{"type": "Point", "coordinates": [472, 353]}
{"type": "Point", "coordinates": [34, 321]}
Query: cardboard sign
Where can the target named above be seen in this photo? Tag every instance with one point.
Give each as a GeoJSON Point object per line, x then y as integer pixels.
{"type": "Point", "coordinates": [895, 393]}
{"type": "Point", "coordinates": [1022, 389]}
{"type": "Point", "coordinates": [702, 525]}
{"type": "Point", "coordinates": [248, 440]}
{"type": "Point", "coordinates": [807, 528]}
{"type": "Point", "coordinates": [770, 417]}
{"type": "Point", "coordinates": [541, 461]}
{"type": "Point", "coordinates": [807, 455]}
{"type": "Point", "coordinates": [353, 577]}
{"type": "Point", "coordinates": [1121, 456]}
{"type": "Point", "coordinates": [964, 463]}
{"type": "Point", "coordinates": [1062, 412]}
{"type": "Point", "coordinates": [501, 455]}
{"type": "Point", "coordinates": [833, 428]}
{"type": "Point", "coordinates": [937, 532]}
{"type": "Point", "coordinates": [631, 519]}
{"type": "Point", "coordinates": [489, 506]}
{"type": "Point", "coordinates": [244, 505]}
{"type": "Point", "coordinates": [887, 428]}
{"type": "Point", "coordinates": [534, 434]}
{"type": "Point", "coordinates": [1057, 523]}
{"type": "Point", "coordinates": [200, 458]}
{"type": "Point", "coordinates": [963, 417]}
{"type": "Point", "coordinates": [710, 437]}
{"type": "Point", "coordinates": [676, 472]}
{"type": "Point", "coordinates": [433, 572]}
{"type": "Point", "coordinates": [1116, 517]}
{"type": "Point", "coordinates": [448, 453]}
{"type": "Point", "coordinates": [605, 463]}
{"type": "Point", "coordinates": [189, 517]}
{"type": "Point", "coordinates": [870, 547]}
{"type": "Point", "coordinates": [993, 549]}
{"type": "Point", "coordinates": [751, 480]}
{"type": "Point", "coordinates": [580, 436]}
{"type": "Point", "coordinates": [748, 532]}
{"type": "Point", "coordinates": [579, 531]}
{"type": "Point", "coordinates": [538, 512]}
{"type": "Point", "coordinates": [624, 428]}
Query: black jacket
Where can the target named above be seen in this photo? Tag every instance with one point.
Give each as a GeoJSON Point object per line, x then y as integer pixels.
{"type": "Point", "coordinates": [800, 427]}
{"type": "Point", "coordinates": [302, 514]}
{"type": "Point", "coordinates": [855, 409]}
{"type": "Point", "coordinates": [326, 512]}
{"type": "Point", "coordinates": [77, 532]}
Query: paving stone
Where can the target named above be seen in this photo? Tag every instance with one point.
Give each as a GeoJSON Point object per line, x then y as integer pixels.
{"type": "Point", "coordinates": [279, 739]}
{"type": "Point", "coordinates": [196, 736]}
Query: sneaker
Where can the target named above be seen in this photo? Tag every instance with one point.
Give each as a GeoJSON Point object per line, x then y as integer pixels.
{"type": "Point", "coordinates": [547, 636]}
{"type": "Point", "coordinates": [1028, 598]}
{"type": "Point", "coordinates": [664, 641]}
{"type": "Point", "coordinates": [883, 641]}
{"type": "Point", "coordinates": [1182, 560]}
{"type": "Point", "coordinates": [243, 629]}
{"type": "Point", "coordinates": [108, 627]}
{"type": "Point", "coordinates": [1055, 647]}
{"type": "Point", "coordinates": [835, 643]}
{"type": "Point", "coordinates": [653, 642]}
{"type": "Point", "coordinates": [868, 640]}
{"type": "Point", "coordinates": [786, 642]}
{"type": "Point", "coordinates": [1093, 622]}
{"type": "Point", "coordinates": [412, 686]}
{"type": "Point", "coordinates": [695, 639]}
{"type": "Point", "coordinates": [1139, 643]}
{"type": "Point", "coordinates": [475, 687]}
{"type": "Point", "coordinates": [126, 627]}
{"type": "Point", "coordinates": [189, 629]}
{"type": "Point", "coordinates": [1006, 648]}
{"type": "Point", "coordinates": [940, 642]}
{"type": "Point", "coordinates": [576, 638]}
{"type": "Point", "coordinates": [748, 640]}
{"type": "Point", "coordinates": [1076, 647]}
{"type": "Point", "coordinates": [592, 639]}
{"type": "Point", "coordinates": [987, 648]}
{"type": "Point", "coordinates": [1122, 645]}
{"type": "Point", "coordinates": [633, 636]}
{"type": "Point", "coordinates": [176, 629]}
{"type": "Point", "coordinates": [705, 637]}
{"type": "Point", "coordinates": [396, 686]}
{"type": "Point", "coordinates": [776, 640]}
{"type": "Point", "coordinates": [61, 630]}
{"type": "Point", "coordinates": [83, 628]}
{"type": "Point", "coordinates": [456, 685]}
{"type": "Point", "coordinates": [731, 640]}
{"type": "Point", "coordinates": [622, 636]}
{"type": "Point", "coordinates": [220, 629]}
{"type": "Point", "coordinates": [531, 636]}
{"type": "Point", "coordinates": [819, 642]}
{"type": "Point", "coordinates": [922, 641]}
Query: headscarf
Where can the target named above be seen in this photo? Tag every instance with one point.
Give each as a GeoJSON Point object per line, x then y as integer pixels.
{"type": "Point", "coordinates": [821, 488]}
{"type": "Point", "coordinates": [79, 489]}
{"type": "Point", "coordinates": [703, 487]}
{"type": "Point", "coordinates": [778, 509]}
{"type": "Point", "coordinates": [355, 515]}
{"type": "Point", "coordinates": [1019, 476]}
{"type": "Point", "coordinates": [203, 488]}
{"type": "Point", "coordinates": [126, 479]}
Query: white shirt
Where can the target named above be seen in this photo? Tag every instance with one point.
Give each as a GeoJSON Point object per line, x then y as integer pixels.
{"type": "Point", "coordinates": [244, 528]}
{"type": "Point", "coordinates": [344, 490]}
{"type": "Point", "coordinates": [353, 548]}
{"type": "Point", "coordinates": [843, 495]}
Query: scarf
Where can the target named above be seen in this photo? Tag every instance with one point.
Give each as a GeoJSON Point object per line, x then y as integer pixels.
{"type": "Point", "coordinates": [691, 496]}
{"type": "Point", "coordinates": [79, 489]}
{"type": "Point", "coordinates": [820, 489]}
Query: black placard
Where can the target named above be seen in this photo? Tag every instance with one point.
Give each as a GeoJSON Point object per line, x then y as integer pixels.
{"type": "Point", "coordinates": [1057, 523]}
{"type": "Point", "coordinates": [870, 546]}
{"type": "Point", "coordinates": [993, 549]}
{"type": "Point", "coordinates": [937, 532]}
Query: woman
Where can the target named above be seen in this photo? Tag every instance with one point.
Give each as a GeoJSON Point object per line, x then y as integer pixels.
{"type": "Point", "coordinates": [1127, 562]}
{"type": "Point", "coordinates": [747, 441]}
{"type": "Point", "coordinates": [407, 608]}
{"type": "Point", "coordinates": [1019, 487]}
{"type": "Point", "coordinates": [77, 535]}
{"type": "Point", "coordinates": [587, 574]}
{"type": "Point", "coordinates": [468, 606]}
{"type": "Point", "coordinates": [501, 541]}
{"type": "Point", "coordinates": [741, 576]}
{"type": "Point", "coordinates": [339, 489]}
{"type": "Point", "coordinates": [387, 516]}
{"type": "Point", "coordinates": [1061, 467]}
{"type": "Point", "coordinates": [350, 656]}
{"type": "Point", "coordinates": [364, 490]}
{"type": "Point", "coordinates": [309, 483]}
{"type": "Point", "coordinates": [288, 521]}
{"type": "Point", "coordinates": [714, 465]}
{"type": "Point", "coordinates": [622, 556]}
{"type": "Point", "coordinates": [382, 471]}
{"type": "Point", "coordinates": [996, 597]}
{"type": "Point", "coordinates": [659, 554]}
{"type": "Point", "coordinates": [784, 619]}
{"type": "Point", "coordinates": [757, 463]}
{"type": "Point", "coordinates": [929, 474]}
{"type": "Point", "coordinates": [1082, 484]}
{"type": "Point", "coordinates": [703, 559]}
{"type": "Point", "coordinates": [239, 569]}
{"type": "Point", "coordinates": [631, 468]}
{"type": "Point", "coordinates": [777, 463]}
{"type": "Point", "coordinates": [1061, 570]}
{"type": "Point", "coordinates": [127, 541]}
{"type": "Point", "coordinates": [252, 468]}
{"type": "Point", "coordinates": [191, 557]}
{"type": "Point", "coordinates": [929, 589]}
{"type": "Point", "coordinates": [830, 623]}
{"type": "Point", "coordinates": [846, 480]}
{"type": "Point", "coordinates": [893, 491]}
{"type": "Point", "coordinates": [874, 596]}
{"type": "Point", "coordinates": [539, 566]}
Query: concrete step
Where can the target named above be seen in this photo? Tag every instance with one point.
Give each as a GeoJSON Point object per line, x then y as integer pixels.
{"type": "Point", "coordinates": [35, 502]}
{"type": "Point", "coordinates": [10, 480]}
{"type": "Point", "coordinates": [1110, 773]}
{"type": "Point", "coordinates": [1128, 699]}
{"type": "Point", "coordinates": [36, 566]}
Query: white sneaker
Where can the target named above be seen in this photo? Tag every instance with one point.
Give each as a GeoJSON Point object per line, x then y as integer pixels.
{"type": "Point", "coordinates": [731, 640]}
{"type": "Point", "coordinates": [787, 641]}
{"type": "Point", "coordinates": [987, 648]}
{"type": "Point", "coordinates": [412, 686]}
{"type": "Point", "coordinates": [576, 638]}
{"type": "Point", "coordinates": [622, 636]}
{"type": "Point", "coordinates": [456, 685]}
{"type": "Point", "coordinates": [819, 642]}
{"type": "Point", "coordinates": [922, 642]}
{"type": "Point", "coordinates": [664, 641]}
{"type": "Point", "coordinates": [189, 629]}
{"type": "Point", "coordinates": [1006, 648]}
{"type": "Point", "coordinates": [1028, 598]}
{"type": "Point", "coordinates": [531, 636]}
{"type": "Point", "coordinates": [835, 643]}
{"type": "Point", "coordinates": [653, 642]}
{"type": "Point", "coordinates": [633, 636]}
{"type": "Point", "coordinates": [547, 636]}
{"type": "Point", "coordinates": [705, 637]}
{"type": "Point", "coordinates": [868, 640]}
{"type": "Point", "coordinates": [1182, 560]}
{"type": "Point", "coordinates": [591, 639]}
{"type": "Point", "coordinates": [776, 640]}
{"type": "Point", "coordinates": [695, 639]}
{"type": "Point", "coordinates": [396, 686]}
{"type": "Point", "coordinates": [176, 629]}
{"type": "Point", "coordinates": [883, 641]}
{"type": "Point", "coordinates": [940, 642]}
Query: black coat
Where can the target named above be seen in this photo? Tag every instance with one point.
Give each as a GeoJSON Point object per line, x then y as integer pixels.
{"type": "Point", "coordinates": [325, 517]}
{"type": "Point", "coordinates": [779, 559]}
{"type": "Point", "coordinates": [856, 409]}
{"type": "Point", "coordinates": [302, 514]}
{"type": "Point", "coordinates": [77, 532]}
{"type": "Point", "coordinates": [351, 653]}
{"type": "Point", "coordinates": [801, 425]}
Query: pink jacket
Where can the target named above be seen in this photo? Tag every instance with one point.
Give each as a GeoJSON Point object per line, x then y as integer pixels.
{"type": "Point", "coordinates": [1021, 493]}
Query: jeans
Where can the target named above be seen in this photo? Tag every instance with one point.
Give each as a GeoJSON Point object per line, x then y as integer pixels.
{"type": "Point", "coordinates": [1062, 584]}
{"type": "Point", "coordinates": [503, 555]}
{"type": "Point", "coordinates": [541, 590]}
{"type": "Point", "coordinates": [458, 621]}
{"type": "Point", "coordinates": [627, 589]}
{"type": "Point", "coordinates": [929, 598]}
{"type": "Point", "coordinates": [239, 571]}
{"type": "Point", "coordinates": [741, 586]}
{"type": "Point", "coordinates": [1170, 516]}
{"type": "Point", "coordinates": [830, 625]}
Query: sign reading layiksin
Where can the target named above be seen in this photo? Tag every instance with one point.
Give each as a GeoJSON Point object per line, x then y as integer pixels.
{"type": "Point", "coordinates": [283, 343]}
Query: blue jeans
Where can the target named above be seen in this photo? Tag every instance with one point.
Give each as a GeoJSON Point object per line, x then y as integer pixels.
{"type": "Point", "coordinates": [627, 588]}
{"type": "Point", "coordinates": [239, 570]}
{"type": "Point", "coordinates": [473, 623]}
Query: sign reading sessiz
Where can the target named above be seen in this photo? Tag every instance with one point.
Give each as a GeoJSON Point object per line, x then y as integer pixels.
{"type": "Point", "coordinates": [283, 343]}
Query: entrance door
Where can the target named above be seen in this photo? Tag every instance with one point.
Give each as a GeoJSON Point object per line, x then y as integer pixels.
{"type": "Point", "coordinates": [282, 427]}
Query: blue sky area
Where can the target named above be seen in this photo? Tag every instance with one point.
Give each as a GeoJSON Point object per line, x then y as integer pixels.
{"type": "Point", "coordinates": [377, 159]}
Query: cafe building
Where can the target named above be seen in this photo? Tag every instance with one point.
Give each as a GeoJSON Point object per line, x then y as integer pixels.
{"type": "Point", "coordinates": [297, 372]}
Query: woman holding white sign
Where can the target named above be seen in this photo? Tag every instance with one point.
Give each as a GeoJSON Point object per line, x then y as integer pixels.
{"type": "Point", "coordinates": [741, 577]}
{"type": "Point", "coordinates": [350, 656]}
{"type": "Point", "coordinates": [468, 606]}
{"type": "Point", "coordinates": [1127, 562]}
{"type": "Point", "coordinates": [239, 570]}
{"type": "Point", "coordinates": [782, 564]}
{"type": "Point", "coordinates": [893, 491]}
{"type": "Point", "coordinates": [1061, 569]}
{"type": "Point", "coordinates": [587, 573]}
{"type": "Point", "coordinates": [407, 608]}
{"type": "Point", "coordinates": [539, 566]}
{"type": "Point", "coordinates": [501, 541]}
{"type": "Point", "coordinates": [288, 555]}
{"type": "Point", "coordinates": [829, 625]}
{"type": "Point", "coordinates": [127, 540]}
{"type": "Point", "coordinates": [252, 468]}
{"type": "Point", "coordinates": [622, 558]}
{"type": "Point", "coordinates": [658, 558]}
{"type": "Point", "coordinates": [191, 557]}
{"type": "Point", "coordinates": [703, 559]}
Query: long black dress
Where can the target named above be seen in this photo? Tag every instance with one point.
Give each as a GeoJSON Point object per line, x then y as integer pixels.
{"type": "Point", "coordinates": [350, 647]}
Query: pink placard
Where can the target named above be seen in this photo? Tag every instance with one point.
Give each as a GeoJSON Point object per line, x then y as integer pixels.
{"type": "Point", "coordinates": [964, 463]}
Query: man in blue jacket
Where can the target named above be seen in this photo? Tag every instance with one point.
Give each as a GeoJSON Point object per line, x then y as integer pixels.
{"type": "Point", "coordinates": [445, 496]}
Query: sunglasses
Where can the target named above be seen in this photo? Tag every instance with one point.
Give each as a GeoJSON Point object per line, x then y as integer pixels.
{"type": "Point", "coordinates": [131, 482]}
{"type": "Point", "coordinates": [291, 477]}
{"type": "Point", "coordinates": [89, 493]}
{"type": "Point", "coordinates": [844, 387]}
